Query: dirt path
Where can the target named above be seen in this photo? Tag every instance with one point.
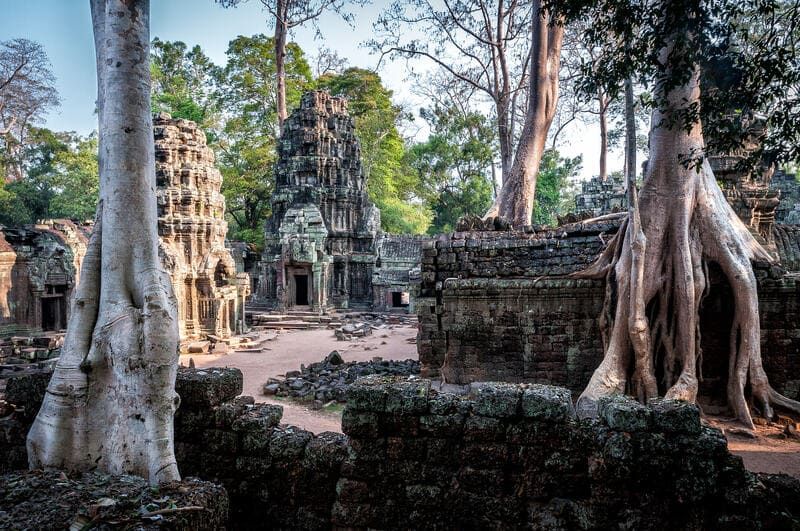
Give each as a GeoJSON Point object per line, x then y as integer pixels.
{"type": "Point", "coordinates": [291, 348]}
{"type": "Point", "coordinates": [768, 450]}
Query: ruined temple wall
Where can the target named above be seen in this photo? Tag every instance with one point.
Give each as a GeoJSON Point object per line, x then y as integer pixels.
{"type": "Point", "coordinates": [39, 269]}
{"type": "Point", "coordinates": [7, 259]}
{"type": "Point", "coordinates": [192, 230]}
{"type": "Point", "coordinates": [505, 456]}
{"type": "Point", "coordinates": [490, 308]}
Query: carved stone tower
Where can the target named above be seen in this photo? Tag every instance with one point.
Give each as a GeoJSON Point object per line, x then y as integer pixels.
{"type": "Point", "coordinates": [320, 241]}
{"type": "Point", "coordinates": [192, 228]}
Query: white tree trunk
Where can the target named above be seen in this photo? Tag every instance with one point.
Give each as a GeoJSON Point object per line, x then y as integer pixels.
{"type": "Point", "coordinates": [659, 260]}
{"type": "Point", "coordinates": [111, 401]}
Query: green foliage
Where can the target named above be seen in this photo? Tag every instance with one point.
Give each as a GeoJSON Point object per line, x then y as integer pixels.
{"type": "Point", "coordinates": [184, 82]}
{"type": "Point", "coordinates": [247, 143]}
{"type": "Point", "coordinates": [76, 177]}
{"type": "Point", "coordinates": [60, 179]}
{"type": "Point", "coordinates": [553, 195]}
{"type": "Point", "coordinates": [454, 165]}
{"type": "Point", "coordinates": [745, 51]}
{"type": "Point", "coordinates": [391, 183]}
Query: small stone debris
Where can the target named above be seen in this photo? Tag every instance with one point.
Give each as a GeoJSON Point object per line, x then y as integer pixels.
{"type": "Point", "coordinates": [328, 380]}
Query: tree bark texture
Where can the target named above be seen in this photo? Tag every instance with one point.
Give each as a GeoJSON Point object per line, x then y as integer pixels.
{"type": "Point", "coordinates": [656, 271]}
{"type": "Point", "coordinates": [602, 115]}
{"type": "Point", "coordinates": [111, 401]}
{"type": "Point", "coordinates": [281, 29]}
{"type": "Point", "coordinates": [516, 197]}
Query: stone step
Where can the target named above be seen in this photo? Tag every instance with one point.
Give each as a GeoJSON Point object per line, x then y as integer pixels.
{"type": "Point", "coordinates": [285, 325]}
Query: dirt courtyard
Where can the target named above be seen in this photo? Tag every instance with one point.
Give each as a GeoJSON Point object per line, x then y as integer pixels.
{"type": "Point", "coordinates": [289, 349]}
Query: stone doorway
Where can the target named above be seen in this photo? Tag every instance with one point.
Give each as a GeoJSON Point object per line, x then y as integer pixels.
{"type": "Point", "coordinates": [53, 312]}
{"type": "Point", "coordinates": [716, 320]}
{"type": "Point", "coordinates": [301, 289]}
{"type": "Point", "coordinates": [400, 299]}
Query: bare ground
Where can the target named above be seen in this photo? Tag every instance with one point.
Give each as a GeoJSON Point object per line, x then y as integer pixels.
{"type": "Point", "coordinates": [291, 348]}
{"type": "Point", "coordinates": [768, 451]}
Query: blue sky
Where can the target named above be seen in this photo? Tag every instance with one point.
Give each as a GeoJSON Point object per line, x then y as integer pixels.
{"type": "Point", "coordinates": [63, 27]}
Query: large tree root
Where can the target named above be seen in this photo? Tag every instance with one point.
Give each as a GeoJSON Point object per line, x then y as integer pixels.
{"type": "Point", "coordinates": [110, 402]}
{"type": "Point", "coordinates": [667, 281]}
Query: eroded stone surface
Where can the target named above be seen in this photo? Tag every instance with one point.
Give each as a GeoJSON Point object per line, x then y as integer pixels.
{"type": "Point", "coordinates": [412, 457]}
{"type": "Point", "coordinates": [323, 245]}
{"type": "Point", "coordinates": [192, 229]}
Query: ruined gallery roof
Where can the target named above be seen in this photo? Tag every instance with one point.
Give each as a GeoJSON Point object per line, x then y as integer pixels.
{"type": "Point", "coordinates": [556, 251]}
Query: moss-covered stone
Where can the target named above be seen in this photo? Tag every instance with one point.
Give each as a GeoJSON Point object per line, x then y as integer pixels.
{"type": "Point", "coordinates": [546, 402]}
{"type": "Point", "coordinates": [622, 413]}
{"type": "Point", "coordinates": [675, 416]}
{"type": "Point", "coordinates": [497, 400]}
{"type": "Point", "coordinates": [408, 396]}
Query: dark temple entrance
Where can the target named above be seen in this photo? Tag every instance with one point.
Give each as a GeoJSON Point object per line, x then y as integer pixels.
{"type": "Point", "coordinates": [301, 290]}
{"type": "Point", "coordinates": [716, 319]}
{"type": "Point", "coordinates": [53, 313]}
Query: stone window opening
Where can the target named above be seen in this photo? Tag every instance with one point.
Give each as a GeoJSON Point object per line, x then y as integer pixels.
{"type": "Point", "coordinates": [220, 275]}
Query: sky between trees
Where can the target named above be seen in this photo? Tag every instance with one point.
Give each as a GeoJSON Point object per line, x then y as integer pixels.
{"type": "Point", "coordinates": [64, 30]}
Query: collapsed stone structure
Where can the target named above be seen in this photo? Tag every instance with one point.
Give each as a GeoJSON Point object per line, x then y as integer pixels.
{"type": "Point", "coordinates": [39, 269]}
{"type": "Point", "coordinates": [505, 456]}
{"type": "Point", "coordinates": [323, 244]}
{"type": "Point", "coordinates": [495, 305]}
{"type": "Point", "coordinates": [598, 197]}
{"type": "Point", "coordinates": [192, 228]}
{"type": "Point", "coordinates": [788, 210]}
{"type": "Point", "coordinates": [40, 264]}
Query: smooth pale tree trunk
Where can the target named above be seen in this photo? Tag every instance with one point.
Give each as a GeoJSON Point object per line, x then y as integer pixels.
{"type": "Point", "coordinates": [515, 200]}
{"type": "Point", "coordinates": [281, 29]}
{"type": "Point", "coordinates": [659, 261]}
{"type": "Point", "coordinates": [111, 401]}
{"type": "Point", "coordinates": [602, 115]}
{"type": "Point", "coordinates": [505, 129]}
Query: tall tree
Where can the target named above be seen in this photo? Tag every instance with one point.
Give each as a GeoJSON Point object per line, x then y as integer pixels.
{"type": "Point", "coordinates": [27, 91]}
{"type": "Point", "coordinates": [111, 400]}
{"type": "Point", "coordinates": [681, 223]}
{"type": "Point", "coordinates": [246, 145]}
{"type": "Point", "coordinates": [184, 82]}
{"type": "Point", "coordinates": [287, 15]}
{"type": "Point", "coordinates": [454, 164]}
{"type": "Point", "coordinates": [516, 198]}
{"type": "Point", "coordinates": [484, 44]}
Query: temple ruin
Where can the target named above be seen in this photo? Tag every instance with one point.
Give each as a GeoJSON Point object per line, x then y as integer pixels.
{"type": "Point", "coordinates": [496, 304]}
{"type": "Point", "coordinates": [192, 229]}
{"type": "Point", "coordinates": [323, 245]}
{"type": "Point", "coordinates": [39, 269]}
{"type": "Point", "coordinates": [40, 264]}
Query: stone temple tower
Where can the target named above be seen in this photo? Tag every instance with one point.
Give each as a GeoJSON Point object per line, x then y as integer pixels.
{"type": "Point", "coordinates": [192, 228]}
{"type": "Point", "coordinates": [320, 247]}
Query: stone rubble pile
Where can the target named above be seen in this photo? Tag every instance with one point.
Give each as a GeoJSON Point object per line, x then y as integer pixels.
{"type": "Point", "coordinates": [330, 379]}
{"type": "Point", "coordinates": [26, 349]}
{"type": "Point", "coordinates": [360, 325]}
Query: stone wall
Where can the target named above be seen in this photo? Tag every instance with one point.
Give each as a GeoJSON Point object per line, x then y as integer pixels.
{"type": "Point", "coordinates": [489, 306]}
{"type": "Point", "coordinates": [506, 456]}
{"type": "Point", "coordinates": [601, 197]}
{"type": "Point", "coordinates": [396, 272]}
{"type": "Point", "coordinates": [494, 305]}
